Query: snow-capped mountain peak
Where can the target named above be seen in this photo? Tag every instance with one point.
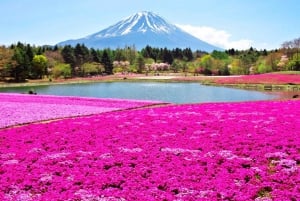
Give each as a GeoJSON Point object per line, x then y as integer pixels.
{"type": "Point", "coordinates": [141, 29]}
{"type": "Point", "coordinates": [139, 22]}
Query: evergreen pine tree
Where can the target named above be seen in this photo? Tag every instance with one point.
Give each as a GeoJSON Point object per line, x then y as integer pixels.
{"type": "Point", "coordinates": [107, 63]}
{"type": "Point", "coordinates": [69, 57]}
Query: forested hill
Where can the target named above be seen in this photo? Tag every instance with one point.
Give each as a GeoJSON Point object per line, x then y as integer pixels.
{"type": "Point", "coordinates": [20, 61]}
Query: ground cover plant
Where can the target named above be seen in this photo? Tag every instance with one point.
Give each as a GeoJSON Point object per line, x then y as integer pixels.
{"type": "Point", "coordinates": [18, 109]}
{"type": "Point", "coordinates": [269, 78]}
{"type": "Point", "coordinates": [222, 151]}
{"type": "Point", "coordinates": [264, 79]}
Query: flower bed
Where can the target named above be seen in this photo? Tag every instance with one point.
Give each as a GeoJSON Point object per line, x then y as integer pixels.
{"type": "Point", "coordinates": [18, 109]}
{"type": "Point", "coordinates": [268, 78]}
{"type": "Point", "coordinates": [236, 151]}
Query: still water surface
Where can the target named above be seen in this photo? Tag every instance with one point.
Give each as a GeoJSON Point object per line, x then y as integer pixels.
{"type": "Point", "coordinates": [167, 92]}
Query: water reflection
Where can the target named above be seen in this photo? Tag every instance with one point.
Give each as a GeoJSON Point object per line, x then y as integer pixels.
{"type": "Point", "coordinates": [168, 92]}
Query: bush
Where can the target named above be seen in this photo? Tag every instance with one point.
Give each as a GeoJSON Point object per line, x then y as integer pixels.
{"type": "Point", "coordinates": [61, 70]}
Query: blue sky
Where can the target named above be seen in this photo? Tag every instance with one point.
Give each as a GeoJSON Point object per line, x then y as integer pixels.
{"type": "Point", "coordinates": [263, 24]}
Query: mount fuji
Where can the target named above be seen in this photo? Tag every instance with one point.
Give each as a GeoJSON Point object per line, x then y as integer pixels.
{"type": "Point", "coordinates": [142, 29]}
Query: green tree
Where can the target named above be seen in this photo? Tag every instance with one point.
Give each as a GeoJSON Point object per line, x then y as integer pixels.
{"type": "Point", "coordinates": [130, 54]}
{"type": "Point", "coordinates": [176, 66]}
{"type": "Point", "coordinates": [53, 57]}
{"type": "Point", "coordinates": [91, 68]}
{"type": "Point", "coordinates": [69, 57]}
{"type": "Point", "coordinates": [39, 66]}
{"type": "Point", "coordinates": [107, 62]}
{"type": "Point", "coordinates": [119, 55]}
{"type": "Point", "coordinates": [207, 62]}
{"type": "Point", "coordinates": [95, 55]}
{"type": "Point", "coordinates": [167, 56]}
{"type": "Point", "coordinates": [147, 51]}
{"type": "Point", "coordinates": [219, 55]}
{"type": "Point", "coordinates": [248, 60]}
{"type": "Point", "coordinates": [264, 68]}
{"type": "Point", "coordinates": [188, 54]}
{"type": "Point", "coordinates": [21, 62]}
{"type": "Point", "coordinates": [235, 67]}
{"type": "Point", "coordinates": [62, 70]}
{"type": "Point", "coordinates": [6, 61]}
{"type": "Point", "coordinates": [155, 54]}
{"type": "Point", "coordinates": [140, 63]}
{"type": "Point", "coordinates": [150, 52]}
{"type": "Point", "coordinates": [294, 63]}
{"type": "Point", "coordinates": [82, 55]}
{"type": "Point", "coordinates": [272, 60]}
{"type": "Point", "coordinates": [184, 68]}
{"type": "Point", "coordinates": [178, 54]}
{"type": "Point", "coordinates": [29, 54]}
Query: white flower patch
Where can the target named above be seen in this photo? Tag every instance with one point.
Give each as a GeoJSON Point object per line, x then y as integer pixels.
{"type": "Point", "coordinates": [263, 199]}
{"type": "Point", "coordinates": [56, 156]}
{"type": "Point", "coordinates": [214, 134]}
{"type": "Point", "coordinates": [197, 132]}
{"type": "Point", "coordinates": [276, 155]}
{"type": "Point", "coordinates": [11, 162]}
{"type": "Point", "coordinates": [183, 192]}
{"type": "Point", "coordinates": [16, 194]}
{"type": "Point", "coordinates": [46, 177]}
{"type": "Point", "coordinates": [110, 198]}
{"type": "Point", "coordinates": [22, 196]}
{"type": "Point", "coordinates": [288, 165]}
{"type": "Point", "coordinates": [35, 150]}
{"type": "Point", "coordinates": [85, 153]}
{"type": "Point", "coordinates": [7, 156]}
{"type": "Point", "coordinates": [106, 155]}
{"type": "Point", "coordinates": [166, 134]}
{"type": "Point", "coordinates": [85, 195]}
{"type": "Point", "coordinates": [227, 154]}
{"type": "Point", "coordinates": [238, 182]}
{"type": "Point", "coordinates": [128, 150]}
{"type": "Point", "coordinates": [66, 162]}
{"type": "Point", "coordinates": [256, 169]}
{"type": "Point", "coordinates": [179, 150]}
{"type": "Point", "coordinates": [88, 196]}
{"type": "Point", "coordinates": [159, 122]}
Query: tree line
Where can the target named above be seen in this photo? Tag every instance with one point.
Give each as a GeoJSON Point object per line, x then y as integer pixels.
{"type": "Point", "coordinates": [21, 61]}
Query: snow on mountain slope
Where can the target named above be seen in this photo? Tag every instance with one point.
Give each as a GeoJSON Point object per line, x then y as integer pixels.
{"type": "Point", "coordinates": [141, 29]}
{"type": "Point", "coordinates": [140, 22]}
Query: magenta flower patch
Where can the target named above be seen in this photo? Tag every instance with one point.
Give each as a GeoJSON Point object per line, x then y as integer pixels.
{"type": "Point", "coordinates": [20, 108]}
{"type": "Point", "coordinates": [268, 78]}
{"type": "Point", "coordinates": [222, 151]}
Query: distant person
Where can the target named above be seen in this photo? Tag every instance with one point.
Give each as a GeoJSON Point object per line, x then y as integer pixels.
{"type": "Point", "coordinates": [32, 92]}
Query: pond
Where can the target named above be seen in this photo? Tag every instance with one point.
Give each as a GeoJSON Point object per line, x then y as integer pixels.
{"type": "Point", "coordinates": [167, 92]}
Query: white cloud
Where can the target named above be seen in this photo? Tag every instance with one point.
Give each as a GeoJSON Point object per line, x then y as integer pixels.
{"type": "Point", "coordinates": [216, 37]}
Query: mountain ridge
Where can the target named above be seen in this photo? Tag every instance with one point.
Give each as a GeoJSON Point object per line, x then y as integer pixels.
{"type": "Point", "coordinates": [142, 29]}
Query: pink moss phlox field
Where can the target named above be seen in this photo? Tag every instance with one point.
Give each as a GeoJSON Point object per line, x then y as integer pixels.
{"type": "Point", "coordinates": [22, 108]}
{"type": "Point", "coordinates": [268, 78]}
{"type": "Point", "coordinates": [222, 151]}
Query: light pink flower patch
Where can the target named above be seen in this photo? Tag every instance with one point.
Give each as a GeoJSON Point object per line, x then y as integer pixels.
{"type": "Point", "coordinates": [224, 151]}
{"type": "Point", "coordinates": [21, 108]}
